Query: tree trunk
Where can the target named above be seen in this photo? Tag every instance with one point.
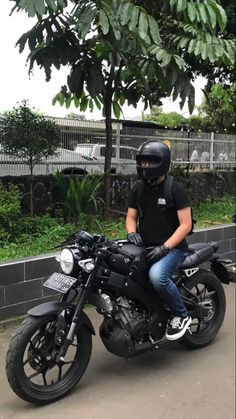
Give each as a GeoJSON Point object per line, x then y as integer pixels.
{"type": "Point", "coordinates": [107, 165]}
{"type": "Point", "coordinates": [31, 192]}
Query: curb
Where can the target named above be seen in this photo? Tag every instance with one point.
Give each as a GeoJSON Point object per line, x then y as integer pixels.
{"type": "Point", "coordinates": [8, 323]}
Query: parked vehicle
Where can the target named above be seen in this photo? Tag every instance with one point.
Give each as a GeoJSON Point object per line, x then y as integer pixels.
{"type": "Point", "coordinates": [122, 161]}
{"type": "Point", "coordinates": [51, 350]}
{"type": "Point", "coordinates": [64, 161]}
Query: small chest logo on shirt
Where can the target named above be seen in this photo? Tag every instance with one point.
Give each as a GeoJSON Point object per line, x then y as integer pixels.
{"type": "Point", "coordinates": [161, 201]}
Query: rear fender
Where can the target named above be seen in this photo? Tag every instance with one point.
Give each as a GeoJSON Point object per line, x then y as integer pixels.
{"type": "Point", "coordinates": [54, 307]}
{"type": "Point", "coordinates": [220, 271]}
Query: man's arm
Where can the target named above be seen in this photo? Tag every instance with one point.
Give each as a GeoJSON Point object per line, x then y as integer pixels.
{"type": "Point", "coordinates": [131, 220]}
{"type": "Point", "coordinates": [185, 221]}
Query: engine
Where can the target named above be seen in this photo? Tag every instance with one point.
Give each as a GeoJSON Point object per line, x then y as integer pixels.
{"type": "Point", "coordinates": [126, 314]}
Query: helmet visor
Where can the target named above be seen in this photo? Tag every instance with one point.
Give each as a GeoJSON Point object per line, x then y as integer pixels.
{"type": "Point", "coordinates": [143, 161]}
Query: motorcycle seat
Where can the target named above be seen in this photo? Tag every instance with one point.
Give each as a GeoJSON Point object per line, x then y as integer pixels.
{"type": "Point", "coordinates": [199, 253]}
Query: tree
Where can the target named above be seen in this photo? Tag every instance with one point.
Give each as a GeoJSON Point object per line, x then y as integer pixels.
{"type": "Point", "coordinates": [124, 50]}
{"type": "Point", "coordinates": [75, 116]}
{"type": "Point", "coordinates": [167, 120]}
{"type": "Point", "coordinates": [220, 107]}
{"type": "Point", "coordinates": [30, 137]}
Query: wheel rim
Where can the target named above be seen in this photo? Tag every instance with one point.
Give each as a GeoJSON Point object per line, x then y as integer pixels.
{"type": "Point", "coordinates": [208, 303]}
{"type": "Point", "coordinates": [41, 371]}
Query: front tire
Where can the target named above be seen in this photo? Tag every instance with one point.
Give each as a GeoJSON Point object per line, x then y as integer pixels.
{"type": "Point", "coordinates": [32, 349]}
{"type": "Point", "coordinates": [206, 286]}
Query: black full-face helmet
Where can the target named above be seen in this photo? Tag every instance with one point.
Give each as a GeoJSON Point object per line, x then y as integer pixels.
{"type": "Point", "coordinates": [158, 154]}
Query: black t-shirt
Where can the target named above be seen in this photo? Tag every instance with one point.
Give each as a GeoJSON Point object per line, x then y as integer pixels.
{"type": "Point", "coordinates": [158, 220]}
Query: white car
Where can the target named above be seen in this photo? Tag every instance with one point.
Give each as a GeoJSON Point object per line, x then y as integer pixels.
{"type": "Point", "coordinates": [123, 158]}
{"type": "Point", "coordinates": [65, 161]}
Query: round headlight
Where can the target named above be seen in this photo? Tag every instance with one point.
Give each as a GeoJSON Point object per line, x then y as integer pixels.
{"type": "Point", "coordinates": [66, 261]}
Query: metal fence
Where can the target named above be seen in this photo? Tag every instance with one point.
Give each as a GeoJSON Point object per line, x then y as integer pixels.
{"type": "Point", "coordinates": [82, 148]}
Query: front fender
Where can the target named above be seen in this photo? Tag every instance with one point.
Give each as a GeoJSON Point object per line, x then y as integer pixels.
{"type": "Point", "coordinates": [54, 307]}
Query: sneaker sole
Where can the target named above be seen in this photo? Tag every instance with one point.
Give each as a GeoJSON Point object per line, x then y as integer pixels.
{"type": "Point", "coordinates": [181, 333]}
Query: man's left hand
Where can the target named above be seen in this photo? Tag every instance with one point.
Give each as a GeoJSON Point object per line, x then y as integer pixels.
{"type": "Point", "coordinates": [156, 254]}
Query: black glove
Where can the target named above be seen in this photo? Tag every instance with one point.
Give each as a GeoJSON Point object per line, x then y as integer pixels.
{"type": "Point", "coordinates": [135, 239]}
{"type": "Point", "coordinates": [156, 254]}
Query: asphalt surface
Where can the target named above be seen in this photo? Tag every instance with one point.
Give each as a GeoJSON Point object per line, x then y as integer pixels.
{"type": "Point", "coordinates": [174, 383]}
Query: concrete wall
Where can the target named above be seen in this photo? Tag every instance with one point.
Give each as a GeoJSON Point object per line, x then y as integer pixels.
{"type": "Point", "coordinates": [21, 282]}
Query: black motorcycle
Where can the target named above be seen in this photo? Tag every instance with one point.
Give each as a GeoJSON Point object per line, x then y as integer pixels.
{"type": "Point", "coordinates": [51, 349]}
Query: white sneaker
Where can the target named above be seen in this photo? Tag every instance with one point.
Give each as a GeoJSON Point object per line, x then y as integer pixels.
{"type": "Point", "coordinates": [178, 327]}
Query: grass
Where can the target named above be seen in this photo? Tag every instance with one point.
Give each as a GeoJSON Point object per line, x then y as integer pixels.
{"type": "Point", "coordinates": [214, 212]}
{"type": "Point", "coordinates": [208, 213]}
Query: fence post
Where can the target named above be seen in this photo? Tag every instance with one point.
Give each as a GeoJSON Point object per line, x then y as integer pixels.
{"type": "Point", "coordinates": [118, 146]}
{"type": "Point", "coordinates": [212, 150]}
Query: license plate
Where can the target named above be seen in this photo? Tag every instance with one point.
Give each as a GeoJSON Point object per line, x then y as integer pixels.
{"type": "Point", "coordinates": [59, 282]}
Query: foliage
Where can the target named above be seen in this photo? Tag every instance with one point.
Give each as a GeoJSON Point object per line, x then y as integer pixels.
{"type": "Point", "coordinates": [125, 50]}
{"type": "Point", "coordinates": [217, 112]}
{"type": "Point", "coordinates": [169, 120]}
{"type": "Point", "coordinates": [51, 232]}
{"type": "Point", "coordinates": [10, 208]}
{"type": "Point", "coordinates": [79, 197]}
{"type": "Point", "coordinates": [214, 211]}
{"type": "Point", "coordinates": [30, 137]}
{"type": "Point", "coordinates": [75, 116]}
{"type": "Point", "coordinates": [220, 107]}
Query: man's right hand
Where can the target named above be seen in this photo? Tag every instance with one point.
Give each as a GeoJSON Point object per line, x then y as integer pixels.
{"type": "Point", "coordinates": [135, 239]}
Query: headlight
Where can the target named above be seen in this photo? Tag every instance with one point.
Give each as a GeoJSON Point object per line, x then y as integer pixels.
{"type": "Point", "coordinates": [67, 261]}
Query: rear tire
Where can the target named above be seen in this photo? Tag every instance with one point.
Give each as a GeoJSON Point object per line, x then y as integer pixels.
{"type": "Point", "coordinates": [30, 340]}
{"type": "Point", "coordinates": [206, 330]}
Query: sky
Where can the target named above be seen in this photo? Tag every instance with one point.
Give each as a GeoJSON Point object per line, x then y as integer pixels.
{"type": "Point", "coordinates": [16, 85]}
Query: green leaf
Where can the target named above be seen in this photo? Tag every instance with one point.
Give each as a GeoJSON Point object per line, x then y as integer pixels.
{"type": "Point", "coordinates": [98, 104]}
{"type": "Point", "coordinates": [116, 109]}
{"type": "Point", "coordinates": [103, 22]}
{"type": "Point", "coordinates": [40, 7]}
{"type": "Point", "coordinates": [198, 48]}
{"type": "Point", "coordinates": [62, 3]}
{"type": "Point", "coordinates": [202, 12]}
{"type": "Point", "coordinates": [68, 102]}
{"type": "Point", "coordinates": [183, 42]}
{"type": "Point", "coordinates": [134, 18]}
{"type": "Point", "coordinates": [192, 12]}
{"type": "Point", "coordinates": [211, 53]}
{"type": "Point", "coordinates": [211, 14]}
{"type": "Point", "coordinates": [180, 62]}
{"type": "Point", "coordinates": [126, 13]}
{"type": "Point", "coordinates": [160, 53]}
{"type": "Point", "coordinates": [204, 51]}
{"type": "Point", "coordinates": [154, 29]}
{"type": "Point", "coordinates": [220, 14]}
{"type": "Point", "coordinates": [181, 5]}
{"type": "Point", "coordinates": [208, 37]}
{"type": "Point", "coordinates": [191, 46]}
{"type": "Point", "coordinates": [114, 24]}
{"type": "Point", "coordinates": [166, 59]}
{"type": "Point", "coordinates": [219, 51]}
{"type": "Point", "coordinates": [30, 8]}
{"type": "Point", "coordinates": [76, 101]}
{"type": "Point", "coordinates": [143, 25]}
{"type": "Point", "coordinates": [52, 5]}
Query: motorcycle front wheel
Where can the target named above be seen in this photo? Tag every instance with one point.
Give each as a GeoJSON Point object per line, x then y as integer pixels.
{"type": "Point", "coordinates": [208, 320]}
{"type": "Point", "coordinates": [31, 368]}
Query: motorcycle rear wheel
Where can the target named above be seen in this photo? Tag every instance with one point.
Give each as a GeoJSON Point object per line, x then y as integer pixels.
{"type": "Point", "coordinates": [210, 291]}
{"type": "Point", "coordinates": [31, 351]}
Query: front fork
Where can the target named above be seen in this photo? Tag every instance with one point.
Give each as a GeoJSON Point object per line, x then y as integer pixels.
{"type": "Point", "coordinates": [82, 297]}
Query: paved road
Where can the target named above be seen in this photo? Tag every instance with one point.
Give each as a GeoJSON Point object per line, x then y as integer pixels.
{"type": "Point", "coordinates": [174, 383]}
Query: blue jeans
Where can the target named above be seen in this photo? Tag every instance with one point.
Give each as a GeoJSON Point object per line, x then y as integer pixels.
{"type": "Point", "coordinates": [160, 277]}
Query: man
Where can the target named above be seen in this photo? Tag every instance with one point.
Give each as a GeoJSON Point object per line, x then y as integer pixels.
{"type": "Point", "coordinates": [194, 159]}
{"type": "Point", "coordinates": [223, 158]}
{"type": "Point", "coordinates": [160, 226]}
